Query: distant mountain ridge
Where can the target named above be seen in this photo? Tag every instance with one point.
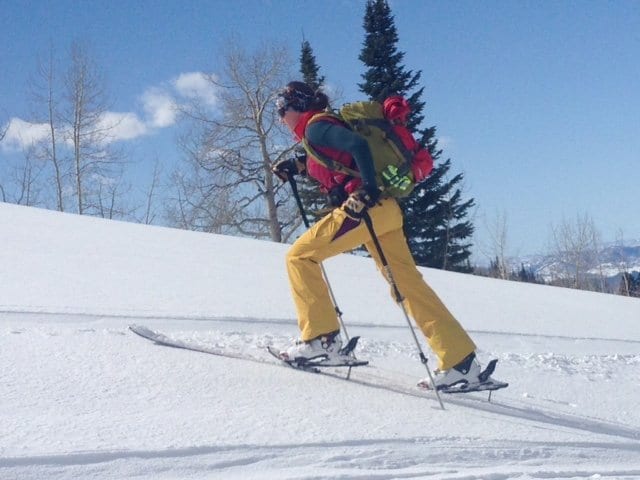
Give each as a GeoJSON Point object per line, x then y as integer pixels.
{"type": "Point", "coordinates": [610, 262]}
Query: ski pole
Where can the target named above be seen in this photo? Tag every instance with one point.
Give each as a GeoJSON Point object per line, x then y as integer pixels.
{"type": "Point", "coordinates": [399, 299]}
{"type": "Point", "coordinates": [305, 220]}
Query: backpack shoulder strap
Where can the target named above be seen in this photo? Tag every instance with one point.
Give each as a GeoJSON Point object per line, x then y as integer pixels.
{"type": "Point", "coordinates": [325, 160]}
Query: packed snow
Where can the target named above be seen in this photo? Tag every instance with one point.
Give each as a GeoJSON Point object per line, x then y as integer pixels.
{"type": "Point", "coordinates": [83, 397]}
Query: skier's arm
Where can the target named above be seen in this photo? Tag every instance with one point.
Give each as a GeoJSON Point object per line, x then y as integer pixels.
{"type": "Point", "coordinates": [326, 134]}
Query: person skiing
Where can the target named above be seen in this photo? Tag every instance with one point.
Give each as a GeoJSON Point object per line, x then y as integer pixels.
{"type": "Point", "coordinates": [342, 230]}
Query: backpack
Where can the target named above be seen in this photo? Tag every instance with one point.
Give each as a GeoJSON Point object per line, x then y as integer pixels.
{"type": "Point", "coordinates": [399, 161]}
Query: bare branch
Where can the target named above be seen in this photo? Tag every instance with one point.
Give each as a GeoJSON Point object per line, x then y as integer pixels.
{"type": "Point", "coordinates": [576, 247]}
{"type": "Point", "coordinates": [229, 151]}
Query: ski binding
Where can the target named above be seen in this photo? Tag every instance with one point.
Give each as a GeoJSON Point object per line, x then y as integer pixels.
{"type": "Point", "coordinates": [484, 383]}
{"type": "Point", "coordinates": [345, 359]}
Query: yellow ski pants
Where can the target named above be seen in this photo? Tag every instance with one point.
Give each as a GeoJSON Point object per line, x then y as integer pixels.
{"type": "Point", "coordinates": [337, 233]}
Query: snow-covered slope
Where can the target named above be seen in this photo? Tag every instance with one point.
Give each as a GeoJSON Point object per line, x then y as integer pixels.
{"type": "Point", "coordinates": [82, 397]}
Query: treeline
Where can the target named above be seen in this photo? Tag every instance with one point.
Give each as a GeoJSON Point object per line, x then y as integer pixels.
{"type": "Point", "coordinates": [577, 258]}
{"type": "Point", "coordinates": [624, 282]}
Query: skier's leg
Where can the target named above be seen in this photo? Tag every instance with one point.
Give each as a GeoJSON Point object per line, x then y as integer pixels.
{"type": "Point", "coordinates": [334, 234]}
{"type": "Point", "coordinates": [315, 310]}
{"type": "Point", "coordinates": [446, 337]}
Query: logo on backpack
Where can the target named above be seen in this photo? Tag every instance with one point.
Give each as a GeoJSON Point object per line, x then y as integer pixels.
{"type": "Point", "coordinates": [399, 160]}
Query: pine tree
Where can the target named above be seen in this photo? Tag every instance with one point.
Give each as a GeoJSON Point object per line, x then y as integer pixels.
{"type": "Point", "coordinates": [313, 200]}
{"type": "Point", "coordinates": [630, 284]}
{"type": "Point", "coordinates": [309, 68]}
{"type": "Point", "coordinates": [526, 274]}
{"type": "Point", "coordinates": [634, 287]}
{"type": "Point", "coordinates": [435, 214]}
{"type": "Point", "coordinates": [435, 223]}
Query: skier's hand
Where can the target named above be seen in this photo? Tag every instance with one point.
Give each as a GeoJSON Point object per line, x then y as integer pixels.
{"type": "Point", "coordinates": [336, 196]}
{"type": "Point", "coordinates": [289, 167]}
{"type": "Point", "coordinates": [357, 204]}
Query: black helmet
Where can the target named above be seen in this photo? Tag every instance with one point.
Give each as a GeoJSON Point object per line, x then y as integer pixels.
{"type": "Point", "coordinates": [296, 96]}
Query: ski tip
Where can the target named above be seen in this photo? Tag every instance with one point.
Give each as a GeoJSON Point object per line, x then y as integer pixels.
{"type": "Point", "coordinates": [140, 329]}
{"type": "Point", "coordinates": [135, 328]}
{"type": "Point", "coordinates": [275, 352]}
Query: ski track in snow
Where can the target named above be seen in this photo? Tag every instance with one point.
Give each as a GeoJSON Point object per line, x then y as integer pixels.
{"type": "Point", "coordinates": [451, 457]}
{"type": "Point", "coordinates": [379, 459]}
{"type": "Point", "coordinates": [73, 315]}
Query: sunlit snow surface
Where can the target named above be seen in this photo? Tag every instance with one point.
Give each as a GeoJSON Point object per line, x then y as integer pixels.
{"type": "Point", "coordinates": [82, 397]}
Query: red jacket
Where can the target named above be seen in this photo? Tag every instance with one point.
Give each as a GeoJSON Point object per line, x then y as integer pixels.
{"type": "Point", "coordinates": [328, 178]}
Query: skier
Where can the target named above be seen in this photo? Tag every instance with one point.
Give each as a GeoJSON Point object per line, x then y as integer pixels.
{"type": "Point", "coordinates": [342, 230]}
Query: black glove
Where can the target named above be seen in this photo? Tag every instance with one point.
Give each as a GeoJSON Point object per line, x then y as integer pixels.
{"type": "Point", "coordinates": [356, 205]}
{"type": "Point", "coordinates": [287, 168]}
{"type": "Point", "coordinates": [336, 196]}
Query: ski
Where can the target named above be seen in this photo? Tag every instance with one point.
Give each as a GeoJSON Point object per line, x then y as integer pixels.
{"type": "Point", "coordinates": [162, 339]}
{"type": "Point", "coordinates": [485, 383]}
{"type": "Point", "coordinates": [346, 359]}
{"type": "Point", "coordinates": [314, 366]}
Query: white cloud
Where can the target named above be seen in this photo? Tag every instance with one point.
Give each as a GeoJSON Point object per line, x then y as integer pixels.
{"type": "Point", "coordinates": [118, 126]}
{"type": "Point", "coordinates": [160, 107]}
{"type": "Point", "coordinates": [160, 111]}
{"type": "Point", "coordinates": [21, 134]}
{"type": "Point", "coordinates": [198, 86]}
{"type": "Point", "coordinates": [122, 126]}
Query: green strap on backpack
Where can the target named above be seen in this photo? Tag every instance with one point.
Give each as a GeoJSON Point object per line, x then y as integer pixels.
{"type": "Point", "coordinates": [391, 159]}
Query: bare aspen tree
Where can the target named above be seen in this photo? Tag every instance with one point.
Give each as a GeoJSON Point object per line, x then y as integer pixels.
{"type": "Point", "coordinates": [44, 93]}
{"type": "Point", "coordinates": [19, 176]}
{"type": "Point", "coordinates": [110, 194]}
{"type": "Point", "coordinates": [225, 184]}
{"type": "Point", "coordinates": [622, 263]}
{"type": "Point", "coordinates": [27, 178]}
{"type": "Point", "coordinates": [94, 161]}
{"type": "Point", "coordinates": [150, 212]}
{"type": "Point", "coordinates": [576, 248]}
{"type": "Point", "coordinates": [83, 167]}
{"type": "Point", "coordinates": [596, 261]}
{"type": "Point", "coordinates": [497, 232]}
{"type": "Point", "coordinates": [23, 177]}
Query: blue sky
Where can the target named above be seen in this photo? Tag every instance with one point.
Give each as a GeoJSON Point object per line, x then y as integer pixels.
{"type": "Point", "coordinates": [536, 102]}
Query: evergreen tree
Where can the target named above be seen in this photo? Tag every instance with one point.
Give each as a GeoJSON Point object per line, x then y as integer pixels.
{"type": "Point", "coordinates": [526, 274]}
{"type": "Point", "coordinates": [313, 200]}
{"type": "Point", "coordinates": [435, 214]}
{"type": "Point", "coordinates": [309, 68]}
{"type": "Point", "coordinates": [634, 287]}
{"type": "Point", "coordinates": [630, 284]}
{"type": "Point", "coordinates": [435, 223]}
